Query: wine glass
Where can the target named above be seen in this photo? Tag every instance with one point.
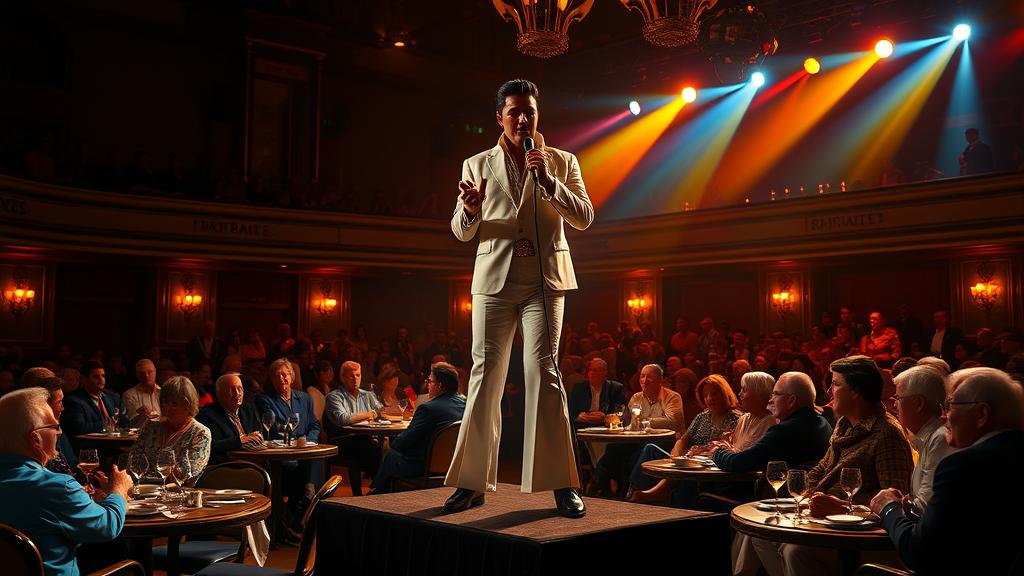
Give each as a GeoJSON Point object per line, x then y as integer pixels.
{"type": "Point", "coordinates": [403, 403]}
{"type": "Point", "coordinates": [138, 465]}
{"type": "Point", "coordinates": [165, 463]}
{"type": "Point", "coordinates": [293, 425]}
{"type": "Point", "coordinates": [268, 422]}
{"type": "Point", "coordinates": [634, 422]}
{"type": "Point", "coordinates": [88, 462]}
{"type": "Point", "coordinates": [181, 472]}
{"type": "Point", "coordinates": [849, 482]}
{"type": "Point", "coordinates": [775, 474]}
{"type": "Point", "coordinates": [796, 483]}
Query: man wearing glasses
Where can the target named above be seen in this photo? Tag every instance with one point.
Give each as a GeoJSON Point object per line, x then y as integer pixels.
{"type": "Point", "coordinates": [408, 455]}
{"type": "Point", "coordinates": [962, 531]}
{"type": "Point", "coordinates": [52, 509]}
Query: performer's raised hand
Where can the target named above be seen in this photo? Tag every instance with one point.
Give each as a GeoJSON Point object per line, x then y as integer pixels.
{"type": "Point", "coordinates": [472, 197]}
{"type": "Point", "coordinates": [536, 159]}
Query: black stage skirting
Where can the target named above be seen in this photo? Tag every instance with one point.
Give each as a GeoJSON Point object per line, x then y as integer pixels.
{"type": "Point", "coordinates": [514, 534]}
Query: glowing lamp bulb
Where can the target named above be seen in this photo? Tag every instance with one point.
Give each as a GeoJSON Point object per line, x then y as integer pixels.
{"type": "Point", "coordinates": [812, 66]}
{"type": "Point", "coordinates": [757, 79]}
{"type": "Point", "coordinates": [689, 94]}
{"type": "Point", "coordinates": [883, 48]}
{"type": "Point", "coordinates": [634, 108]}
{"type": "Point", "coordinates": [961, 32]}
{"type": "Point", "coordinates": [399, 44]}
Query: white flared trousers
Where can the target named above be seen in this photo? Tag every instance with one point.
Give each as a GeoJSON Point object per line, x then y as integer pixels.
{"type": "Point", "coordinates": [548, 458]}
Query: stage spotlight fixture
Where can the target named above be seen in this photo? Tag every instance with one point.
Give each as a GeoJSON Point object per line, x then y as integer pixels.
{"type": "Point", "coordinates": [689, 94]}
{"type": "Point", "coordinates": [757, 79]}
{"type": "Point", "coordinates": [634, 108]}
{"type": "Point", "coordinates": [883, 48]}
{"type": "Point", "coordinates": [961, 32]}
{"type": "Point", "coordinates": [812, 66]}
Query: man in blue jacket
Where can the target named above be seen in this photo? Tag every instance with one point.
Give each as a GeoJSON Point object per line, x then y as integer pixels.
{"type": "Point", "coordinates": [52, 509]}
{"type": "Point", "coordinates": [86, 409]}
{"type": "Point", "coordinates": [232, 421]}
{"type": "Point", "coordinates": [960, 531]}
{"type": "Point", "coordinates": [408, 454]}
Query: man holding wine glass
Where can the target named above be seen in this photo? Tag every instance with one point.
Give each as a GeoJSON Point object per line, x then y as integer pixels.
{"type": "Point", "coordinates": [866, 438]}
{"type": "Point", "coordinates": [52, 509]}
{"type": "Point", "coordinates": [232, 421]}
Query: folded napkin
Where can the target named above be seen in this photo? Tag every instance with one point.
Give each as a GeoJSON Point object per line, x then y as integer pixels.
{"type": "Point", "coordinates": [224, 501]}
{"type": "Point", "coordinates": [259, 541]}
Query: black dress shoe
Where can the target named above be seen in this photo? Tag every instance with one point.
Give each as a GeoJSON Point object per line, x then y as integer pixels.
{"type": "Point", "coordinates": [569, 504]}
{"type": "Point", "coordinates": [462, 499]}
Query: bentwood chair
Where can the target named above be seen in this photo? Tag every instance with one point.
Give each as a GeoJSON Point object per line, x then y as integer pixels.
{"type": "Point", "coordinates": [880, 570]}
{"type": "Point", "coordinates": [19, 556]}
{"type": "Point", "coordinates": [440, 452]}
{"type": "Point", "coordinates": [194, 555]}
{"type": "Point", "coordinates": [307, 547]}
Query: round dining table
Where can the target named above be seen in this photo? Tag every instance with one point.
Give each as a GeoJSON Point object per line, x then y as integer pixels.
{"type": "Point", "coordinates": [602, 434]}
{"type": "Point", "coordinates": [141, 530]}
{"type": "Point", "coordinates": [274, 455]}
{"type": "Point", "coordinates": [848, 541]}
{"type": "Point", "coordinates": [665, 468]}
{"type": "Point", "coordinates": [107, 440]}
{"type": "Point", "coordinates": [393, 428]}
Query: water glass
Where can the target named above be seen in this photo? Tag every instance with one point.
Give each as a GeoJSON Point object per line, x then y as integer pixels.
{"type": "Point", "coordinates": [796, 483]}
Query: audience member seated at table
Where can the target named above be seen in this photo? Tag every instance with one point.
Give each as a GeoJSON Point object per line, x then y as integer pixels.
{"type": "Point", "coordinates": [408, 454]}
{"type": "Point", "coordinates": [882, 343]}
{"type": "Point", "coordinates": [302, 478]}
{"type": "Point", "coordinates": [719, 416]}
{"type": "Point", "coordinates": [349, 404]}
{"type": "Point", "coordinates": [65, 461]}
{"type": "Point", "coordinates": [589, 404]}
{"type": "Point", "coordinates": [87, 408]}
{"type": "Point", "coordinates": [177, 430]}
{"type": "Point", "coordinates": [52, 509]}
{"type": "Point", "coordinates": [865, 437]}
{"type": "Point", "coordinates": [143, 400]}
{"type": "Point", "coordinates": [324, 382]}
{"type": "Point", "coordinates": [232, 421]}
{"type": "Point", "coordinates": [386, 391]}
{"type": "Point", "coordinates": [660, 406]}
{"type": "Point", "coordinates": [684, 381]}
{"type": "Point", "coordinates": [755, 393]}
{"type": "Point", "coordinates": [918, 398]}
{"type": "Point", "coordinates": [961, 531]}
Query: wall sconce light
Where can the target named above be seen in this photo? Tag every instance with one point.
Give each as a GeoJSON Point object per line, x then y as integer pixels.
{"type": "Point", "coordinates": [189, 301]}
{"type": "Point", "coordinates": [985, 293]}
{"type": "Point", "coordinates": [466, 306]}
{"type": "Point", "coordinates": [638, 307]}
{"type": "Point", "coordinates": [782, 299]}
{"type": "Point", "coordinates": [18, 300]}
{"type": "Point", "coordinates": [326, 305]}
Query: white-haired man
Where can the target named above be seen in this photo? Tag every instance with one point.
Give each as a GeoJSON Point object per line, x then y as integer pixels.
{"type": "Point", "coordinates": [51, 508]}
{"type": "Point", "coordinates": [142, 401]}
{"type": "Point", "coordinates": [918, 399]}
{"type": "Point", "coordinates": [959, 531]}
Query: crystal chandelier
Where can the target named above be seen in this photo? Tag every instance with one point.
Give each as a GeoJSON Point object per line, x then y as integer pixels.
{"type": "Point", "coordinates": [672, 24]}
{"type": "Point", "coordinates": [543, 24]}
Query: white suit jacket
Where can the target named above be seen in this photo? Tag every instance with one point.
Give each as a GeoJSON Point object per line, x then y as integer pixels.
{"type": "Point", "coordinates": [501, 222]}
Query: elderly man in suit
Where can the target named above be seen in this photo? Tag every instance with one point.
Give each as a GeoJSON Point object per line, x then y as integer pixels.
{"type": "Point", "coordinates": [232, 421]}
{"type": "Point", "coordinates": [408, 454]}
{"type": "Point", "coordinates": [522, 271]}
{"type": "Point", "coordinates": [959, 531]}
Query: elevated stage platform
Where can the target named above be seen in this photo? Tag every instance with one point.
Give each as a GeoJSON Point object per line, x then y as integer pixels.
{"type": "Point", "coordinates": [514, 534]}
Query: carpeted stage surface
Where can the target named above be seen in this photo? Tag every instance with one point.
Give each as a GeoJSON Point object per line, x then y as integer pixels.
{"type": "Point", "coordinates": [515, 534]}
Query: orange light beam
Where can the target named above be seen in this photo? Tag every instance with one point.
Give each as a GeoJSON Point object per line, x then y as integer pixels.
{"type": "Point", "coordinates": [606, 163]}
{"type": "Point", "coordinates": [778, 129]}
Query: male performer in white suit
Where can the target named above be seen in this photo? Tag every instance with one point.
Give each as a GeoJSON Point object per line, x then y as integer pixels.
{"type": "Point", "coordinates": [516, 248]}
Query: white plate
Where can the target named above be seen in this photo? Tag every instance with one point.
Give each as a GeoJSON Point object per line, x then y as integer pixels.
{"type": "Point", "coordinates": [143, 509]}
{"type": "Point", "coordinates": [232, 492]}
{"type": "Point", "coordinates": [218, 502]}
{"type": "Point", "coordinates": [845, 519]}
{"type": "Point", "coordinates": [147, 489]}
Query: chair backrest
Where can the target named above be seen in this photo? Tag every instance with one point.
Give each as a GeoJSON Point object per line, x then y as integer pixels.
{"type": "Point", "coordinates": [442, 448]}
{"type": "Point", "coordinates": [236, 474]}
{"type": "Point", "coordinates": [307, 547]}
{"type": "Point", "coordinates": [18, 554]}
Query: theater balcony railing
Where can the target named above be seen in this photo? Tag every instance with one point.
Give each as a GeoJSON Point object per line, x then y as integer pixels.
{"type": "Point", "coordinates": [948, 214]}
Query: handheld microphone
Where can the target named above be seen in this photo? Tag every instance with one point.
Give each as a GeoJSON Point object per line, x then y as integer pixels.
{"type": "Point", "coordinates": [528, 145]}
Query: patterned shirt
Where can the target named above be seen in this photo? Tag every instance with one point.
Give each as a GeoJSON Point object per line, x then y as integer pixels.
{"type": "Point", "coordinates": [193, 441]}
{"type": "Point", "coordinates": [702, 430]}
{"type": "Point", "coordinates": [877, 445]}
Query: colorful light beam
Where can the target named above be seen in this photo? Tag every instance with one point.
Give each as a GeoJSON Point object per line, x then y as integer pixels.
{"type": "Point", "coordinates": [607, 162]}
{"type": "Point", "coordinates": [965, 110]}
{"type": "Point", "coordinates": [778, 128]}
